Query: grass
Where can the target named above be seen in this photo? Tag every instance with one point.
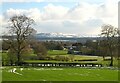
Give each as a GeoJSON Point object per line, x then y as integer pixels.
{"type": "Point", "coordinates": [4, 54]}
{"type": "Point", "coordinates": [82, 57]}
{"type": "Point", "coordinates": [60, 74]}
{"type": "Point", "coordinates": [53, 53]}
{"type": "Point", "coordinates": [106, 63]}
{"type": "Point", "coordinates": [57, 52]}
{"type": "Point", "coordinates": [53, 61]}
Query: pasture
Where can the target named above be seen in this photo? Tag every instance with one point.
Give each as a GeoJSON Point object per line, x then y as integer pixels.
{"type": "Point", "coordinates": [14, 73]}
{"type": "Point", "coordinates": [77, 58]}
{"type": "Point", "coordinates": [59, 74]}
{"type": "Point", "coordinates": [57, 52]}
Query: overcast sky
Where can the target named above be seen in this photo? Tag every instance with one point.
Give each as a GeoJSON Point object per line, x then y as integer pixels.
{"type": "Point", "coordinates": [83, 17]}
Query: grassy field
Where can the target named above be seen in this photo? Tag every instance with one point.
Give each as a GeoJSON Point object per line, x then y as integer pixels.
{"type": "Point", "coordinates": [59, 74]}
{"type": "Point", "coordinates": [53, 53]}
{"type": "Point", "coordinates": [62, 74]}
{"type": "Point", "coordinates": [57, 52]}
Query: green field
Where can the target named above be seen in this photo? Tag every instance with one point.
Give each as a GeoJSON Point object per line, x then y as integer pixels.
{"type": "Point", "coordinates": [62, 74]}
{"type": "Point", "coordinates": [53, 53]}
{"type": "Point", "coordinates": [59, 74]}
{"type": "Point", "coordinates": [57, 52]}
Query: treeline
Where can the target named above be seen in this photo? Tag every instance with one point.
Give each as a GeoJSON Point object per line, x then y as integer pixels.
{"type": "Point", "coordinates": [37, 50]}
{"type": "Point", "coordinates": [91, 47]}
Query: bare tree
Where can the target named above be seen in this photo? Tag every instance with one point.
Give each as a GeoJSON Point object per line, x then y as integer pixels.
{"type": "Point", "coordinates": [20, 29]}
{"type": "Point", "coordinates": [39, 49]}
{"type": "Point", "coordinates": [110, 33]}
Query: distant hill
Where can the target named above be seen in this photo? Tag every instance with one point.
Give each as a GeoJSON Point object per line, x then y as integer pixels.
{"type": "Point", "coordinates": [60, 37]}
{"type": "Point", "coordinates": [56, 35]}
{"type": "Point", "coordinates": [63, 37]}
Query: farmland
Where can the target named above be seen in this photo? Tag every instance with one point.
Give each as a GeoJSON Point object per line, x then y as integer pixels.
{"type": "Point", "coordinates": [62, 73]}
{"type": "Point", "coordinates": [57, 52]}
{"type": "Point", "coordinates": [77, 58]}
{"type": "Point", "coordinates": [59, 74]}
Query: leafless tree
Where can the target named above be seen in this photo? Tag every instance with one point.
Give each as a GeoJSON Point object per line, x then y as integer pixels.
{"type": "Point", "coordinates": [110, 33]}
{"type": "Point", "coordinates": [20, 29]}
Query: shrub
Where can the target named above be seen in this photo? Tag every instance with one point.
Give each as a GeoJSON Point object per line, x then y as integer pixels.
{"type": "Point", "coordinates": [62, 58]}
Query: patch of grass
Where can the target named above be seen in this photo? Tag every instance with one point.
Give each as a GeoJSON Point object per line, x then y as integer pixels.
{"type": "Point", "coordinates": [57, 52]}
{"type": "Point", "coordinates": [82, 57]}
{"type": "Point", "coordinates": [76, 58]}
{"type": "Point", "coordinates": [53, 61]}
{"type": "Point", "coordinates": [60, 74]}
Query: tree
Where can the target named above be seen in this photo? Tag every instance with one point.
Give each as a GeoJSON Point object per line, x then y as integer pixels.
{"type": "Point", "coordinates": [39, 49]}
{"type": "Point", "coordinates": [20, 29]}
{"type": "Point", "coordinates": [103, 49]}
{"type": "Point", "coordinates": [11, 56]}
{"type": "Point", "coordinates": [118, 46]}
{"type": "Point", "coordinates": [27, 53]}
{"type": "Point", "coordinates": [5, 45]}
{"type": "Point", "coordinates": [59, 47]}
{"type": "Point", "coordinates": [110, 33]}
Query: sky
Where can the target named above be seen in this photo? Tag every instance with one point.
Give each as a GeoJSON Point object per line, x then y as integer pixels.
{"type": "Point", "coordinates": [83, 17]}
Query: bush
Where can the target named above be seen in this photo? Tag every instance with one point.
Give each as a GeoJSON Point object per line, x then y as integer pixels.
{"type": "Point", "coordinates": [40, 50]}
{"type": "Point", "coordinates": [88, 60]}
{"type": "Point", "coordinates": [107, 59]}
{"type": "Point", "coordinates": [62, 58]}
{"type": "Point", "coordinates": [49, 58]}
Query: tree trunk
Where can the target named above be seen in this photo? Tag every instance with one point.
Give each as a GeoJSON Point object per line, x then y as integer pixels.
{"type": "Point", "coordinates": [111, 53]}
{"type": "Point", "coordinates": [103, 58]}
{"type": "Point", "coordinates": [18, 57]}
{"type": "Point", "coordinates": [111, 64]}
{"type": "Point", "coordinates": [11, 62]}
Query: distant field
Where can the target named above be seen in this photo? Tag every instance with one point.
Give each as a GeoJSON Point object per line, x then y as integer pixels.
{"type": "Point", "coordinates": [57, 52]}
{"type": "Point", "coordinates": [53, 53]}
{"type": "Point", "coordinates": [59, 74]}
{"type": "Point", "coordinates": [62, 74]}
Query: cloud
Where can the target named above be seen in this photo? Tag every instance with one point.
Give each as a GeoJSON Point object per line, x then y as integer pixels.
{"type": "Point", "coordinates": [52, 12]}
{"type": "Point", "coordinates": [82, 12]}
{"type": "Point", "coordinates": [108, 12]}
{"type": "Point", "coordinates": [83, 18]}
{"type": "Point", "coordinates": [34, 13]}
{"type": "Point", "coordinates": [3, 24]}
{"type": "Point", "coordinates": [41, 0]}
{"type": "Point", "coordinates": [23, 0]}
